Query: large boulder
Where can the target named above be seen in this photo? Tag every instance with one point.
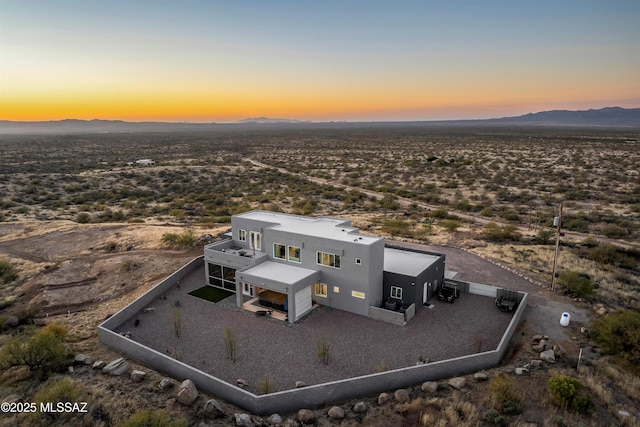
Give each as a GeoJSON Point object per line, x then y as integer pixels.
{"type": "Point", "coordinates": [401, 395]}
{"type": "Point", "coordinates": [165, 383]}
{"type": "Point", "coordinates": [360, 408]}
{"type": "Point", "coordinates": [306, 416]}
{"type": "Point", "coordinates": [275, 419]}
{"type": "Point", "coordinates": [548, 356]}
{"type": "Point", "coordinates": [11, 322]}
{"type": "Point", "coordinates": [137, 376]}
{"type": "Point", "coordinates": [116, 367]}
{"type": "Point", "coordinates": [336, 413]}
{"type": "Point", "coordinates": [383, 398]}
{"type": "Point", "coordinates": [187, 393]}
{"type": "Point", "coordinates": [458, 382]}
{"type": "Point", "coordinates": [429, 386]}
{"type": "Point", "coordinates": [243, 420]}
{"type": "Point", "coordinates": [212, 409]}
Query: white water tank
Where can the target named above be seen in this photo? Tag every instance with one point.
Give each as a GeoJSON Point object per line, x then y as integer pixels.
{"type": "Point", "coordinates": [564, 320]}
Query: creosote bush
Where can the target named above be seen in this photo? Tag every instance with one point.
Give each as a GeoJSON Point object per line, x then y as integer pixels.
{"type": "Point", "coordinates": [577, 284]}
{"type": "Point", "coordinates": [495, 233]}
{"type": "Point", "coordinates": [181, 240]}
{"type": "Point", "coordinates": [8, 272]}
{"type": "Point", "coordinates": [505, 396]}
{"type": "Point", "coordinates": [565, 391]}
{"type": "Point", "coordinates": [618, 334]}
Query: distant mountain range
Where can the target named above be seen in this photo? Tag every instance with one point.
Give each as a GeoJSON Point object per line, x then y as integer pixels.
{"type": "Point", "coordinates": [611, 117]}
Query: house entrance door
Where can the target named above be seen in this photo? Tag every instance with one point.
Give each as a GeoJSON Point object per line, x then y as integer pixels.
{"type": "Point", "coordinates": [426, 292]}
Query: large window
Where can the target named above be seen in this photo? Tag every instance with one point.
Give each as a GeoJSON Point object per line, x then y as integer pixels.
{"type": "Point", "coordinates": [321, 289]}
{"type": "Point", "coordinates": [279, 251]}
{"type": "Point", "coordinates": [222, 277]}
{"type": "Point", "coordinates": [330, 260]}
{"type": "Point", "coordinates": [242, 235]}
{"type": "Point", "coordinates": [396, 292]}
{"type": "Point", "coordinates": [294, 254]}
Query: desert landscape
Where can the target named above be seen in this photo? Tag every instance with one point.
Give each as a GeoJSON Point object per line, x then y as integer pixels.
{"type": "Point", "coordinates": [83, 232]}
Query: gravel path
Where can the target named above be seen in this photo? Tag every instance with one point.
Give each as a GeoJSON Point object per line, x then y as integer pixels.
{"type": "Point", "coordinates": [287, 353]}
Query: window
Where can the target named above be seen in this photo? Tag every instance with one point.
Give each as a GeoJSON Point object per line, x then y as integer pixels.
{"type": "Point", "coordinates": [358, 261]}
{"type": "Point", "coordinates": [247, 289]}
{"type": "Point", "coordinates": [242, 235]}
{"type": "Point", "coordinates": [336, 289]}
{"type": "Point", "coordinates": [255, 240]}
{"type": "Point", "coordinates": [321, 289]}
{"type": "Point", "coordinates": [396, 292]}
{"type": "Point", "coordinates": [357, 294]}
{"type": "Point", "coordinates": [279, 251]}
{"type": "Point", "coordinates": [330, 260]}
{"type": "Point", "coordinates": [294, 254]}
{"type": "Point", "coordinates": [222, 277]}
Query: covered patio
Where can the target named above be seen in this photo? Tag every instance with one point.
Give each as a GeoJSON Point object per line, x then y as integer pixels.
{"type": "Point", "coordinates": [280, 287]}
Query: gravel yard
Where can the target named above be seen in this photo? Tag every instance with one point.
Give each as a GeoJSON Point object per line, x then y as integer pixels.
{"type": "Point", "coordinates": [287, 354]}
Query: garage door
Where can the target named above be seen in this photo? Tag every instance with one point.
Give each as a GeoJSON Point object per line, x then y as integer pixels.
{"type": "Point", "coordinates": [303, 302]}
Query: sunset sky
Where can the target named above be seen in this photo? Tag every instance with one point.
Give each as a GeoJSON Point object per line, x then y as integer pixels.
{"type": "Point", "coordinates": [204, 61]}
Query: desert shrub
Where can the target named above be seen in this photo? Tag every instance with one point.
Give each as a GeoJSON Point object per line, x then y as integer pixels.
{"type": "Point", "coordinates": [83, 218]}
{"type": "Point", "coordinates": [397, 227]}
{"type": "Point", "coordinates": [230, 344]}
{"type": "Point", "coordinates": [8, 271]}
{"type": "Point", "coordinates": [618, 334]}
{"type": "Point", "coordinates": [577, 284]}
{"type": "Point", "coordinates": [63, 390]}
{"type": "Point", "coordinates": [614, 231]}
{"type": "Point", "coordinates": [129, 265]}
{"type": "Point", "coordinates": [544, 236]}
{"type": "Point", "coordinates": [266, 385]}
{"type": "Point", "coordinates": [505, 396]}
{"type": "Point", "coordinates": [495, 233]}
{"type": "Point", "coordinates": [495, 418]}
{"type": "Point", "coordinates": [155, 418]}
{"type": "Point", "coordinates": [450, 224]}
{"type": "Point", "coordinates": [181, 240]}
{"type": "Point", "coordinates": [439, 214]}
{"type": "Point", "coordinates": [323, 350]}
{"type": "Point", "coordinates": [606, 253]}
{"type": "Point", "coordinates": [43, 351]}
{"type": "Point", "coordinates": [565, 391]}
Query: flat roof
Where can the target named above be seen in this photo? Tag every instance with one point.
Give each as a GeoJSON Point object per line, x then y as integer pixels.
{"type": "Point", "coordinates": [283, 273]}
{"type": "Point", "coordinates": [408, 263]}
{"type": "Point", "coordinates": [330, 228]}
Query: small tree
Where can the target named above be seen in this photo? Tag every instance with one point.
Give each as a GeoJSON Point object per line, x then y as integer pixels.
{"type": "Point", "coordinates": [43, 351]}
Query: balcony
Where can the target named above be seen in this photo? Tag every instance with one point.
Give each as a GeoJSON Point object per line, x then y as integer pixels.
{"type": "Point", "coordinates": [228, 253]}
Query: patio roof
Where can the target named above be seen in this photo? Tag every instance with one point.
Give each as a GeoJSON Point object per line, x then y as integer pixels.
{"type": "Point", "coordinates": [275, 272]}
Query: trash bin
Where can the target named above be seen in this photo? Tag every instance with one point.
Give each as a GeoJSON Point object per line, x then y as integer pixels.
{"type": "Point", "coordinates": [564, 320]}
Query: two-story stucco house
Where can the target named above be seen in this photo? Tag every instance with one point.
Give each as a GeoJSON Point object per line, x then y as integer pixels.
{"type": "Point", "coordinates": [291, 262]}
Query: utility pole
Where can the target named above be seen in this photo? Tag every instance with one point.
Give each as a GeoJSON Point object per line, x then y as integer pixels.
{"type": "Point", "coordinates": [557, 221]}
